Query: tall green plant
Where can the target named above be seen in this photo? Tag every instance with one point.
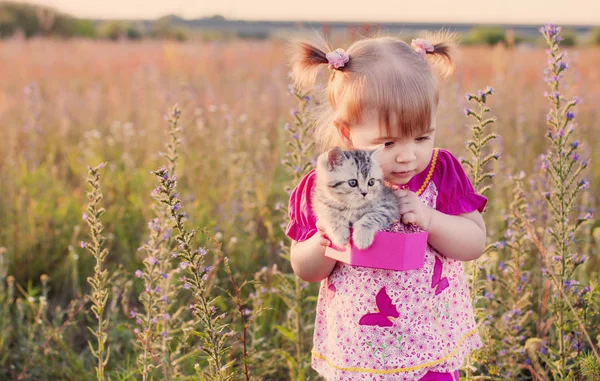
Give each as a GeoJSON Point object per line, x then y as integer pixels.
{"type": "Point", "coordinates": [297, 330]}
{"type": "Point", "coordinates": [99, 281]}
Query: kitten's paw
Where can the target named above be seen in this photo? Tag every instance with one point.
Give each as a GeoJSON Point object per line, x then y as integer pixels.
{"type": "Point", "coordinates": [340, 238]}
{"type": "Point", "coordinates": [363, 238]}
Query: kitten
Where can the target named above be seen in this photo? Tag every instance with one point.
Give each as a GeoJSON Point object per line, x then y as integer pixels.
{"type": "Point", "coordinates": [349, 192]}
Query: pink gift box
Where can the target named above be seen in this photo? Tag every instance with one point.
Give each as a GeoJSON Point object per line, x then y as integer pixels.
{"type": "Point", "coordinates": [391, 251]}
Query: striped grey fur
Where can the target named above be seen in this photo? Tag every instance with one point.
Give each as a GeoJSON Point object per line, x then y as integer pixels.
{"type": "Point", "coordinates": [339, 206]}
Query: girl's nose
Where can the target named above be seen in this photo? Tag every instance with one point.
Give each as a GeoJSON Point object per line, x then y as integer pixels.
{"type": "Point", "coordinates": [405, 155]}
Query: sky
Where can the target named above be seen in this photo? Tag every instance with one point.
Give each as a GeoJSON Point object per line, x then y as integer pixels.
{"type": "Point", "coordinates": [576, 12]}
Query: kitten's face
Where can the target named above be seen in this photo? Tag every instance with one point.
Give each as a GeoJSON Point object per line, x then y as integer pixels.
{"type": "Point", "coordinates": [351, 176]}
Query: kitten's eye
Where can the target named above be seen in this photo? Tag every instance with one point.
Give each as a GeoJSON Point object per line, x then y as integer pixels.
{"type": "Point", "coordinates": [353, 183]}
{"type": "Point", "coordinates": [371, 182]}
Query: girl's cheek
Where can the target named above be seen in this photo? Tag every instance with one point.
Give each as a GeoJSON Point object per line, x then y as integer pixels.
{"type": "Point", "coordinates": [386, 161]}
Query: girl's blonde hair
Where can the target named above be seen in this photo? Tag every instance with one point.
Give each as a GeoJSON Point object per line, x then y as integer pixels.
{"type": "Point", "coordinates": [383, 75]}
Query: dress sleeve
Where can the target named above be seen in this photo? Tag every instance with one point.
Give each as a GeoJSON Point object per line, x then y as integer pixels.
{"type": "Point", "coordinates": [302, 221]}
{"type": "Point", "coordinates": [456, 194]}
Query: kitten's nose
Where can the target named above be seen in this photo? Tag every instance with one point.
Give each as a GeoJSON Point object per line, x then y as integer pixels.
{"type": "Point", "coordinates": [363, 193]}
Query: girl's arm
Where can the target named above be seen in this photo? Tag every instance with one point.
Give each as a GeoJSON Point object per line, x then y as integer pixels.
{"type": "Point", "coordinates": [460, 237]}
{"type": "Point", "coordinates": [308, 258]}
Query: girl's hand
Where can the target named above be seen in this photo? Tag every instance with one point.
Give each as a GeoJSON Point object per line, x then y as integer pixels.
{"type": "Point", "coordinates": [412, 209]}
{"type": "Point", "coordinates": [322, 238]}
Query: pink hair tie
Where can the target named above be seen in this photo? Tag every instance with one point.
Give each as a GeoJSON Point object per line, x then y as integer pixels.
{"type": "Point", "coordinates": [337, 59]}
{"type": "Point", "coordinates": [422, 46]}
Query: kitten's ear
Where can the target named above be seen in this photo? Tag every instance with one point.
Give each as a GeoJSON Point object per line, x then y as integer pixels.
{"type": "Point", "coordinates": [375, 153]}
{"type": "Point", "coordinates": [335, 157]}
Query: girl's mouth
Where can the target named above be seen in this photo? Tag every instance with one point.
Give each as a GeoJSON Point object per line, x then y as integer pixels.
{"type": "Point", "coordinates": [403, 173]}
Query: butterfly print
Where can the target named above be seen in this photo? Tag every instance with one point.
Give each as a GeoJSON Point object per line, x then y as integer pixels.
{"type": "Point", "coordinates": [442, 283]}
{"type": "Point", "coordinates": [386, 311]}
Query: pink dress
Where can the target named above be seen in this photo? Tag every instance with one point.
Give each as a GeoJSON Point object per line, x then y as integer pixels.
{"type": "Point", "coordinates": [374, 324]}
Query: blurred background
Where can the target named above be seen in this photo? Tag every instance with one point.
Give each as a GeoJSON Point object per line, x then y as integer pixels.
{"type": "Point", "coordinates": [512, 21]}
{"type": "Point", "coordinates": [84, 82]}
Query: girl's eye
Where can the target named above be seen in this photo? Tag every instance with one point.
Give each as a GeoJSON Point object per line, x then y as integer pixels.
{"type": "Point", "coordinates": [389, 144]}
{"type": "Point", "coordinates": [423, 138]}
{"type": "Point", "coordinates": [371, 182]}
{"type": "Point", "coordinates": [353, 183]}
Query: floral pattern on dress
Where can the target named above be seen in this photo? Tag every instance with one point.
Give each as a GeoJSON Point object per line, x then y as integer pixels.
{"type": "Point", "coordinates": [412, 321]}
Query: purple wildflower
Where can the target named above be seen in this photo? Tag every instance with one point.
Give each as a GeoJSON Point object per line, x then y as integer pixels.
{"type": "Point", "coordinates": [550, 30]}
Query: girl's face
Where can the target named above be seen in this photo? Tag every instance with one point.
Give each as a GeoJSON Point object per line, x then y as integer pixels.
{"type": "Point", "coordinates": [401, 159]}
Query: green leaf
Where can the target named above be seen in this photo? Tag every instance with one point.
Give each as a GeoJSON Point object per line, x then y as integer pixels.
{"type": "Point", "coordinates": [285, 332]}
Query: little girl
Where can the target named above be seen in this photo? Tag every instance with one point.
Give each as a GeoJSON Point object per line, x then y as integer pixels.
{"type": "Point", "coordinates": [383, 91]}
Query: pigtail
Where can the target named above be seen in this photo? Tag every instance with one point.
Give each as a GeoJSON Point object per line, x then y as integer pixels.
{"type": "Point", "coordinates": [444, 49]}
{"type": "Point", "coordinates": [306, 58]}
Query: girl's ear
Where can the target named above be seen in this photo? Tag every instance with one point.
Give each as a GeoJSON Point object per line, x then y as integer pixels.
{"type": "Point", "coordinates": [344, 133]}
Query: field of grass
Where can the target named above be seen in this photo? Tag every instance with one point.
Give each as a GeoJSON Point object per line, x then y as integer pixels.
{"type": "Point", "coordinates": [65, 105]}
